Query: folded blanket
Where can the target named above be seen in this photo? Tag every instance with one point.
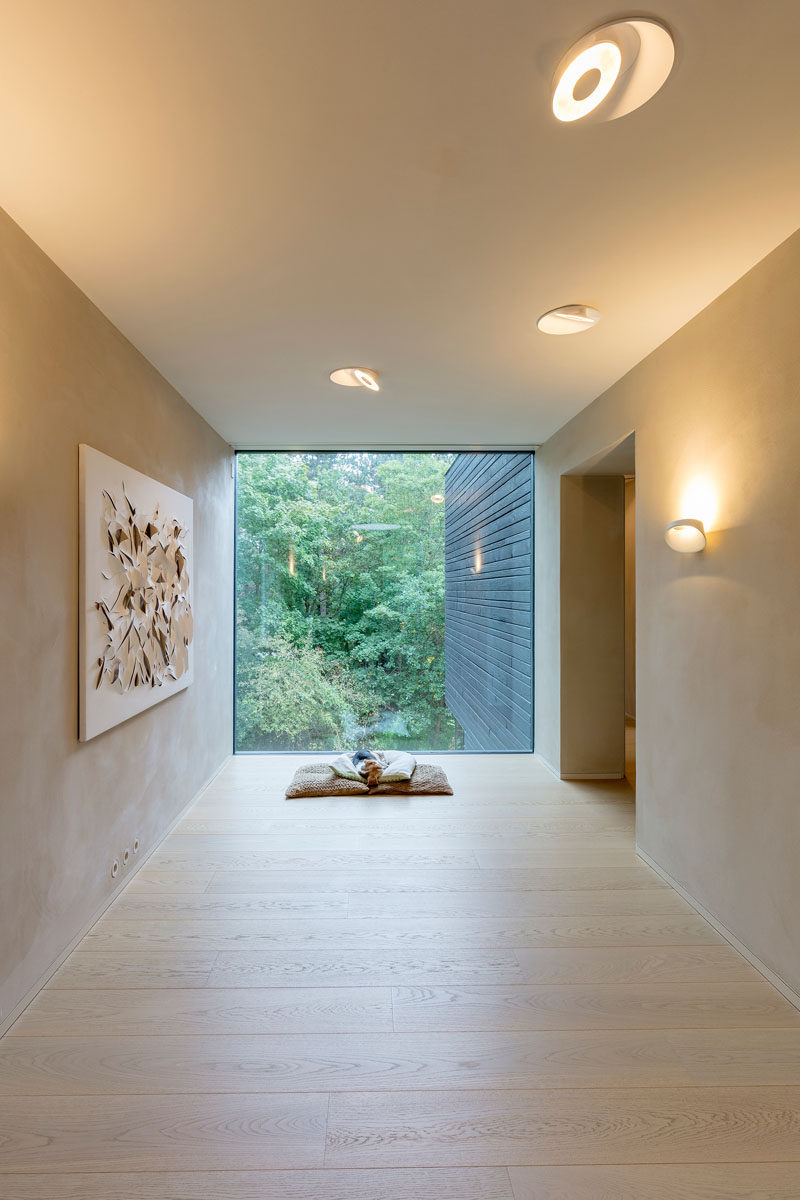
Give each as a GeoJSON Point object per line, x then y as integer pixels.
{"type": "Point", "coordinates": [397, 765]}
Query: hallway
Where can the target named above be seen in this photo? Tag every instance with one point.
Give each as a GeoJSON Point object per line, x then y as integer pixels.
{"type": "Point", "coordinates": [479, 997]}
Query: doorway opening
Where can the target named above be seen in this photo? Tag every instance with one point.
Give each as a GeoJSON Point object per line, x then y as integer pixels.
{"type": "Point", "coordinates": [598, 616]}
{"type": "Point", "coordinates": [630, 630]}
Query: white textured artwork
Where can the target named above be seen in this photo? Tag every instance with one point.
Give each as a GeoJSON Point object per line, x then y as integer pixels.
{"type": "Point", "coordinates": [136, 619]}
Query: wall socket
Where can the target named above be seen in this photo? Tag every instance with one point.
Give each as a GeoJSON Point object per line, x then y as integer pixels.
{"type": "Point", "coordinates": [124, 858]}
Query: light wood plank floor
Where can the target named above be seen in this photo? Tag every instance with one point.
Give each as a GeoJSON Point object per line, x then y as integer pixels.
{"type": "Point", "coordinates": [478, 997]}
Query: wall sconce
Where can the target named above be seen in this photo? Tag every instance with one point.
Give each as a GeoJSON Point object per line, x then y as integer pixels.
{"type": "Point", "coordinates": [685, 535]}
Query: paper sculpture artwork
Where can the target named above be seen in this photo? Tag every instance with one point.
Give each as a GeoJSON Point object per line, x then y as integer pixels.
{"type": "Point", "coordinates": [137, 623]}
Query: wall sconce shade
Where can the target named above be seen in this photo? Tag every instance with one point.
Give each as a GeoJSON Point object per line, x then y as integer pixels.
{"type": "Point", "coordinates": [686, 535]}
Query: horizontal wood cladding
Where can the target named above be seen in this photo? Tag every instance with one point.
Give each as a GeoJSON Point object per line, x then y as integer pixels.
{"type": "Point", "coordinates": [489, 598]}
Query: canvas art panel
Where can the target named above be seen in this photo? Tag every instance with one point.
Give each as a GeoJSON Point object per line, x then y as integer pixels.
{"type": "Point", "coordinates": [136, 600]}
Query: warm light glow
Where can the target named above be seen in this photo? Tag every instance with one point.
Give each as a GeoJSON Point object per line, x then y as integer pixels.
{"type": "Point", "coordinates": [568, 318]}
{"type": "Point", "coordinates": [685, 535]}
{"type": "Point", "coordinates": [367, 379]}
{"type": "Point", "coordinates": [324, 576]}
{"type": "Point", "coordinates": [356, 377]}
{"type": "Point", "coordinates": [700, 499]}
{"type": "Point", "coordinates": [437, 498]}
{"type": "Point", "coordinates": [478, 561]}
{"type": "Point", "coordinates": [359, 537]}
{"type": "Point", "coordinates": [291, 562]}
{"type": "Point", "coordinates": [603, 59]}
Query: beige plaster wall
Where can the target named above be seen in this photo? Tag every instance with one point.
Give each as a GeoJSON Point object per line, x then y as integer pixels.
{"type": "Point", "coordinates": [68, 376]}
{"type": "Point", "coordinates": [716, 411]}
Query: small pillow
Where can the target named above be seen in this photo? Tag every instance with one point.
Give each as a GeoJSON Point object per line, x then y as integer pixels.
{"type": "Point", "coordinates": [343, 765]}
{"type": "Point", "coordinates": [400, 765]}
{"type": "Point", "coordinates": [318, 779]}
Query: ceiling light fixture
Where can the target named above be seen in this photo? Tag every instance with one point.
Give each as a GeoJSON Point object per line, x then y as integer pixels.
{"type": "Point", "coordinates": [568, 318]}
{"type": "Point", "coordinates": [613, 70]}
{"type": "Point", "coordinates": [586, 81]}
{"type": "Point", "coordinates": [437, 498]}
{"type": "Point", "coordinates": [367, 379]}
{"type": "Point", "coordinates": [356, 377]}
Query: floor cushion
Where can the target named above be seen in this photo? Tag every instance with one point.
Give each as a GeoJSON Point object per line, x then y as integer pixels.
{"type": "Point", "coordinates": [318, 779]}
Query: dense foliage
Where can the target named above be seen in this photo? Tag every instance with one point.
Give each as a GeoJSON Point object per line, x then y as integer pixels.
{"type": "Point", "coordinates": [340, 602]}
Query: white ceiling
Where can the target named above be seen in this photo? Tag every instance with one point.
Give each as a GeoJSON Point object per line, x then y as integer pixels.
{"type": "Point", "coordinates": [257, 191]}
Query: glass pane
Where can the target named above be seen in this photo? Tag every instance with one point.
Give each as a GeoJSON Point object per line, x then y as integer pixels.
{"type": "Point", "coordinates": [340, 602]}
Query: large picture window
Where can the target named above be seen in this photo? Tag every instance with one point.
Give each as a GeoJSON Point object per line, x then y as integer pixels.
{"type": "Point", "coordinates": [340, 602]}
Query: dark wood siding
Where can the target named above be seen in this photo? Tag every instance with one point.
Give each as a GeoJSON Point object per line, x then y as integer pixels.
{"type": "Point", "coordinates": [489, 598]}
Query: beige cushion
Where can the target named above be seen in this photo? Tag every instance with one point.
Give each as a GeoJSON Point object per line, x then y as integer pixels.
{"type": "Point", "coordinates": [317, 779]}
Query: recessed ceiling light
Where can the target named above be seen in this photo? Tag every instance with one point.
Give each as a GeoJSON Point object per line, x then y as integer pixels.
{"type": "Point", "coordinates": [613, 70]}
{"type": "Point", "coordinates": [356, 377]}
{"type": "Point", "coordinates": [367, 379]}
{"type": "Point", "coordinates": [586, 81]}
{"type": "Point", "coordinates": [568, 318]}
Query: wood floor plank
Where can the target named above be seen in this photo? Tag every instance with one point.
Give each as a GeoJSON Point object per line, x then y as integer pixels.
{"type": "Point", "coordinates": [178, 970]}
{"type": "Point", "coordinates": [406, 841]}
{"type": "Point", "coordinates": [342, 968]}
{"type": "Point", "coordinates": [635, 876]}
{"type": "Point", "coordinates": [752, 1056]}
{"type": "Point", "coordinates": [520, 904]}
{"type": "Point", "coordinates": [363, 933]}
{"type": "Point", "coordinates": [631, 1006]}
{"type": "Point", "coordinates": [437, 1183]}
{"type": "Point", "coordinates": [583, 967]}
{"type": "Point", "coordinates": [269, 906]}
{"type": "Point", "coordinates": [59, 1013]}
{"type": "Point", "coordinates": [422, 905]}
{"type": "Point", "coordinates": [555, 856]}
{"type": "Point", "coordinates": [704, 1181]}
{"type": "Point", "coordinates": [248, 1063]}
{"type": "Point", "coordinates": [520, 805]}
{"type": "Point", "coordinates": [151, 880]}
{"type": "Point", "coordinates": [198, 859]}
{"type": "Point", "coordinates": [639, 1125]}
{"type": "Point", "coordinates": [172, 1133]}
{"type": "Point", "coordinates": [582, 819]}
{"type": "Point", "coordinates": [309, 968]}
